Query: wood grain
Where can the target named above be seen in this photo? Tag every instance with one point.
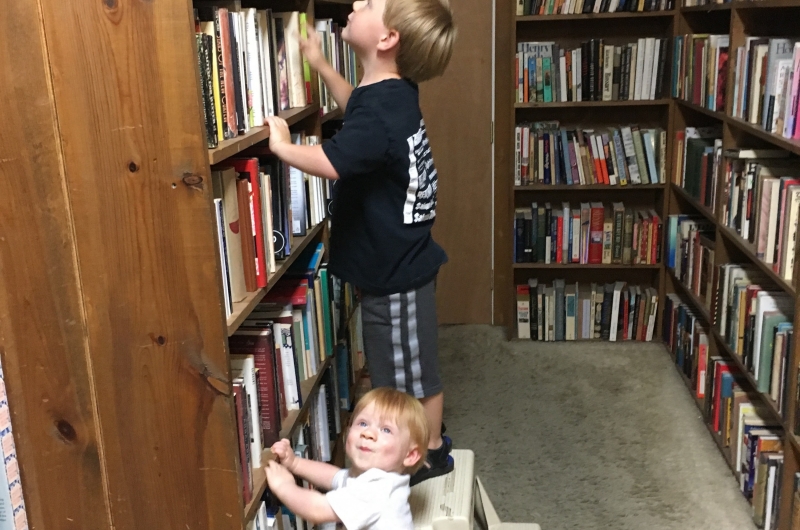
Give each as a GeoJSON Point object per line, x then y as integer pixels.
{"type": "Point", "coordinates": [462, 154]}
{"type": "Point", "coordinates": [42, 322]}
{"type": "Point", "coordinates": [505, 48]}
{"type": "Point", "coordinates": [137, 175]}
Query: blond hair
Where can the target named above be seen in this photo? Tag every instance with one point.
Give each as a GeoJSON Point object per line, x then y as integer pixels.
{"type": "Point", "coordinates": [426, 33]}
{"type": "Point", "coordinates": [406, 411]}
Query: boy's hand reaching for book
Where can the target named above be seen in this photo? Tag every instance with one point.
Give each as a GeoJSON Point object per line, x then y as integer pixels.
{"type": "Point", "coordinates": [283, 450]}
{"type": "Point", "coordinates": [311, 47]}
{"type": "Point", "coordinates": [278, 477]}
{"type": "Point", "coordinates": [278, 132]}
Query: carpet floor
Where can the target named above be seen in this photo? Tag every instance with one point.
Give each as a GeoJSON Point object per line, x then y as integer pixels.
{"type": "Point", "coordinates": [585, 435]}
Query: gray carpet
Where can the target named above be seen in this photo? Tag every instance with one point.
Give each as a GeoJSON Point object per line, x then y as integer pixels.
{"type": "Point", "coordinates": [585, 435]}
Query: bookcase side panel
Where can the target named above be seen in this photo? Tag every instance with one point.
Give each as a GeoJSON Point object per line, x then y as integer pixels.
{"type": "Point", "coordinates": [42, 324]}
{"type": "Point", "coordinates": [136, 168]}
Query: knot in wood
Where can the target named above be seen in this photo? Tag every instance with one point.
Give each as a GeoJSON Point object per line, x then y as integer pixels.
{"type": "Point", "coordinates": [66, 430]}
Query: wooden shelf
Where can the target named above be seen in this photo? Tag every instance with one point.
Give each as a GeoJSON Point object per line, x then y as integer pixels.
{"type": "Point", "coordinates": [335, 114]}
{"type": "Point", "coordinates": [793, 146]}
{"type": "Point", "coordinates": [259, 487]}
{"type": "Point", "coordinates": [234, 146]}
{"type": "Point", "coordinates": [726, 453]}
{"type": "Point", "coordinates": [704, 210]}
{"type": "Point", "coordinates": [697, 108]}
{"type": "Point", "coordinates": [241, 310]}
{"type": "Point", "coordinates": [693, 298]}
{"type": "Point", "coordinates": [603, 187]}
{"type": "Point", "coordinates": [747, 248]}
{"type": "Point", "coordinates": [766, 4]}
{"type": "Point", "coordinates": [584, 266]}
{"type": "Point", "coordinates": [595, 16]}
{"type": "Point", "coordinates": [308, 389]}
{"type": "Point", "coordinates": [744, 246]}
{"type": "Point", "coordinates": [727, 352]}
{"type": "Point", "coordinates": [706, 8]}
{"type": "Point", "coordinates": [581, 104]}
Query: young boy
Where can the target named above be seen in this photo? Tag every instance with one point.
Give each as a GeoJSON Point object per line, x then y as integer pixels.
{"type": "Point", "coordinates": [387, 439]}
{"type": "Point", "coordinates": [384, 201]}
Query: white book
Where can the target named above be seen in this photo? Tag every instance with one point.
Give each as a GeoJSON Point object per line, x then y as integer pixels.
{"type": "Point", "coordinates": [766, 301]}
{"type": "Point", "coordinates": [608, 71]}
{"type": "Point", "coordinates": [254, 62]}
{"type": "Point", "coordinates": [12, 503]}
{"type": "Point", "coordinates": [612, 335]}
{"type": "Point", "coordinates": [790, 234]}
{"type": "Point", "coordinates": [634, 58]}
{"type": "Point", "coordinates": [244, 366]}
{"type": "Point", "coordinates": [577, 77]}
{"type": "Point", "coordinates": [219, 213]}
{"type": "Point", "coordinates": [562, 71]}
{"type": "Point", "coordinates": [647, 69]}
{"type": "Point", "coordinates": [294, 60]}
{"type": "Point", "coordinates": [640, 63]}
{"type": "Point", "coordinates": [654, 70]}
{"type": "Point", "coordinates": [241, 40]}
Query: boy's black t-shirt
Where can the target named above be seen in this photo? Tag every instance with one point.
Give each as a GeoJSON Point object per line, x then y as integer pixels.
{"type": "Point", "coordinates": [384, 202]}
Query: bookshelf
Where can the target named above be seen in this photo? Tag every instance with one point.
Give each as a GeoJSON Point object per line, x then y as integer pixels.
{"type": "Point", "coordinates": [737, 20]}
{"type": "Point", "coordinates": [569, 31]}
{"type": "Point", "coordinates": [114, 334]}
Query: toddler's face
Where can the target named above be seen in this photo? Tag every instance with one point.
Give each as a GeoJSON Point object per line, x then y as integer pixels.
{"type": "Point", "coordinates": [376, 442]}
{"type": "Point", "coordinates": [365, 24]}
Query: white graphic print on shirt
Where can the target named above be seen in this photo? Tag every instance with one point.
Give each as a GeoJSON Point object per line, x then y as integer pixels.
{"type": "Point", "coordinates": [421, 194]}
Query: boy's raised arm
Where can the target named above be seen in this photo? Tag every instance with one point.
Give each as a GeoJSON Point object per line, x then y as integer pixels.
{"type": "Point", "coordinates": [311, 47]}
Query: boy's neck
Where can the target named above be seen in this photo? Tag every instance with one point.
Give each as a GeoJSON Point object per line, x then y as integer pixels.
{"type": "Point", "coordinates": [378, 69]}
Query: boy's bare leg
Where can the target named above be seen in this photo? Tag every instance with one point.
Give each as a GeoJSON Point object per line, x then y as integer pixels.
{"type": "Point", "coordinates": [434, 409]}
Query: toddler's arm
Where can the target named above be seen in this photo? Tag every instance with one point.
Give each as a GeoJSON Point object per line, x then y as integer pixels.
{"type": "Point", "coordinates": [311, 505]}
{"type": "Point", "coordinates": [319, 474]}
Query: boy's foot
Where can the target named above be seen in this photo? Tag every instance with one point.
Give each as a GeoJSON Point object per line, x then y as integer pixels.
{"type": "Point", "coordinates": [438, 463]}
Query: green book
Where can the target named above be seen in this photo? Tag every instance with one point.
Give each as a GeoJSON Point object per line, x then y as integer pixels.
{"type": "Point", "coordinates": [326, 311]}
{"type": "Point", "coordinates": [547, 83]}
{"type": "Point", "coordinates": [764, 375]}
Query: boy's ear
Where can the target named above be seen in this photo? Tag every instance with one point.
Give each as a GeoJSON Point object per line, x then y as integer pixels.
{"type": "Point", "coordinates": [412, 457]}
{"type": "Point", "coordinates": [389, 40]}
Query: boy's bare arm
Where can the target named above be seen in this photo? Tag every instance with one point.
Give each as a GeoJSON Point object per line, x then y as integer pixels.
{"type": "Point", "coordinates": [311, 505]}
{"type": "Point", "coordinates": [312, 49]}
{"type": "Point", "coordinates": [307, 158]}
{"type": "Point", "coordinates": [339, 88]}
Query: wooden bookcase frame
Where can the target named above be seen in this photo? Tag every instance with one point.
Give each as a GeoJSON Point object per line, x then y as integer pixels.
{"type": "Point", "coordinates": [113, 333]}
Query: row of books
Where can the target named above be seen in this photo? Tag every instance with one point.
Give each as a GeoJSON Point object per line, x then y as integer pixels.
{"type": "Point", "coordinates": [752, 443]}
{"type": "Point", "coordinates": [250, 67]}
{"type": "Point", "coordinates": [700, 69]}
{"type": "Point", "coordinates": [305, 319]}
{"type": "Point", "coordinates": [751, 318]}
{"type": "Point", "coordinates": [760, 192]}
{"type": "Point", "coordinates": [761, 202]}
{"type": "Point", "coordinates": [279, 201]}
{"type": "Point", "coordinates": [767, 84]}
{"type": "Point", "coordinates": [548, 154]}
{"type": "Point", "coordinates": [339, 54]}
{"type": "Point", "coordinates": [592, 233]}
{"type": "Point", "coordinates": [698, 155]}
{"type": "Point", "coordinates": [690, 255]}
{"type": "Point", "coordinates": [13, 515]}
{"type": "Point", "coordinates": [574, 7]}
{"type": "Point", "coordinates": [595, 71]}
{"type": "Point", "coordinates": [568, 311]}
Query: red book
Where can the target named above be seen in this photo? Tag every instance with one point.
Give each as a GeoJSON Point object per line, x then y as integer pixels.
{"type": "Point", "coordinates": [248, 169]}
{"type": "Point", "coordinates": [596, 233]}
{"type": "Point", "coordinates": [246, 230]}
{"type": "Point", "coordinates": [244, 443]}
{"type": "Point", "coordinates": [288, 291]}
{"type": "Point", "coordinates": [698, 79]}
{"type": "Point", "coordinates": [261, 345]}
{"type": "Point", "coordinates": [702, 364]}
{"type": "Point", "coordinates": [720, 368]}
{"type": "Point", "coordinates": [559, 242]}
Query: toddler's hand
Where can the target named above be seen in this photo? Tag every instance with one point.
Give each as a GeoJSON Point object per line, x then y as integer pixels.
{"type": "Point", "coordinates": [283, 450]}
{"type": "Point", "coordinates": [278, 132]}
{"type": "Point", "coordinates": [278, 477]}
{"type": "Point", "coordinates": [312, 48]}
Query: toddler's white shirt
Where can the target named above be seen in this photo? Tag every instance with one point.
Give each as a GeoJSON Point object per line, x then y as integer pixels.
{"type": "Point", "coordinates": [375, 500]}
